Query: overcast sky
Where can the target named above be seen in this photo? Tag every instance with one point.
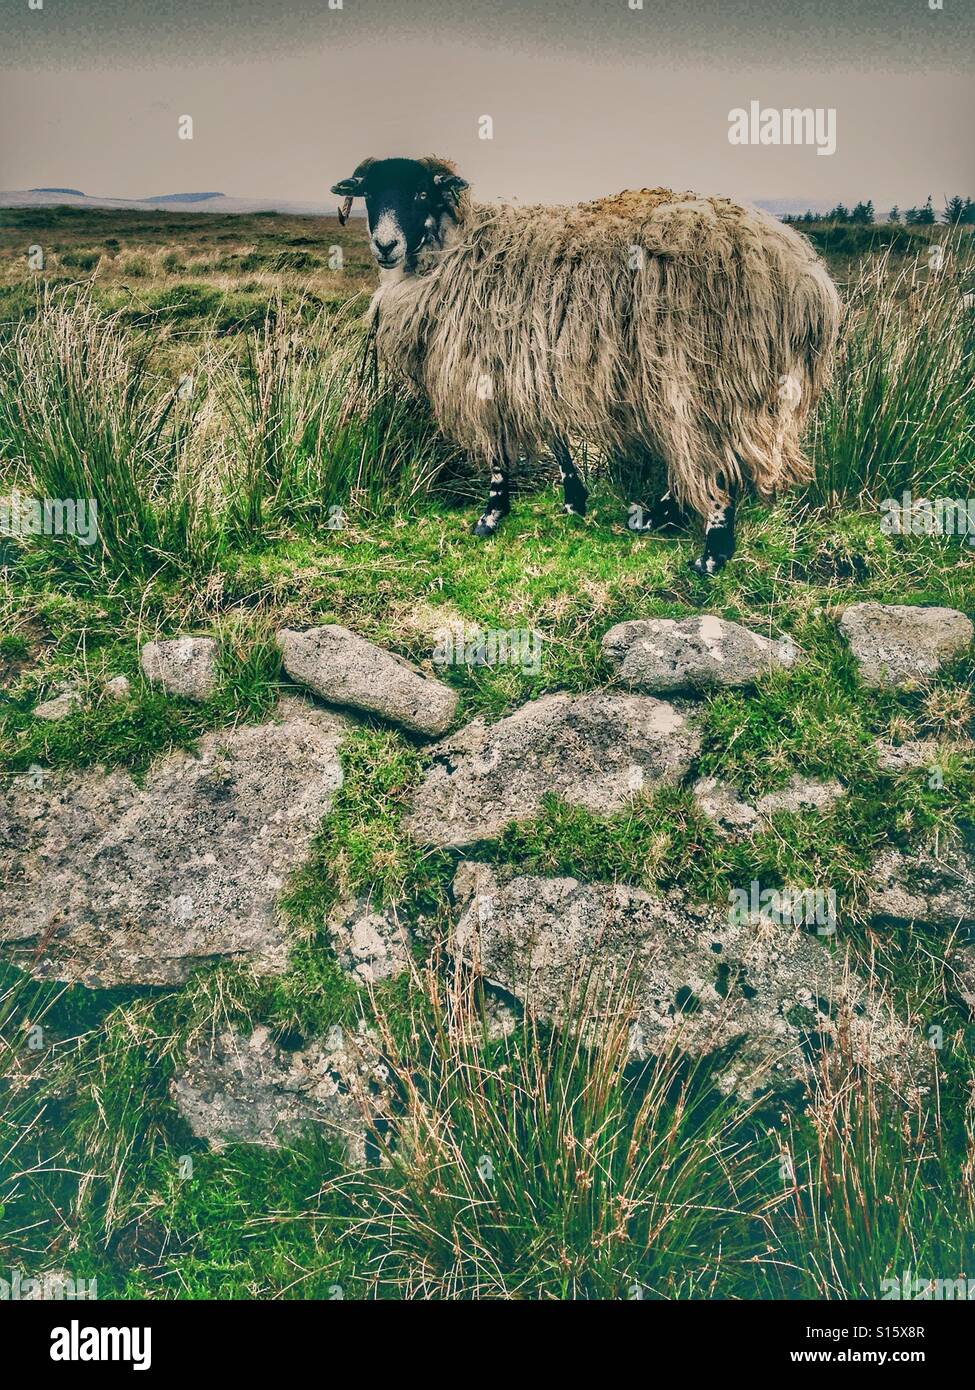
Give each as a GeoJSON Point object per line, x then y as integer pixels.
{"type": "Point", "coordinates": [586, 96]}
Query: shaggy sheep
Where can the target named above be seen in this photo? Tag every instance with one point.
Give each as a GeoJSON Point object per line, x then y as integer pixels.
{"type": "Point", "coordinates": [650, 324]}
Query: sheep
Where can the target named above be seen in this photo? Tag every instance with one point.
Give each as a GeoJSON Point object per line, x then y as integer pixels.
{"type": "Point", "coordinates": [651, 324]}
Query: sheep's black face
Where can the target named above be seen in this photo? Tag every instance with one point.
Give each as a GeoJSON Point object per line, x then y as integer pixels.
{"type": "Point", "coordinates": [407, 204]}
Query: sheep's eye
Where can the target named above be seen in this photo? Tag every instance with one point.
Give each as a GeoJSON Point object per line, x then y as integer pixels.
{"type": "Point", "coordinates": [421, 197]}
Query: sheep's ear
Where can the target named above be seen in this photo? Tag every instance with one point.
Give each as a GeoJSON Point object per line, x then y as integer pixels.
{"type": "Point", "coordinates": [349, 188]}
{"type": "Point", "coordinates": [451, 183]}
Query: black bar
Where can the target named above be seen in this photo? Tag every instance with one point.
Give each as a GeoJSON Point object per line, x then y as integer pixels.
{"type": "Point", "coordinates": [198, 1337]}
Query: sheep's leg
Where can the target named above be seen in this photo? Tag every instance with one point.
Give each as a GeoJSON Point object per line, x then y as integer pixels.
{"type": "Point", "coordinates": [498, 504]}
{"type": "Point", "coordinates": [574, 492]}
{"type": "Point", "coordinates": [719, 538]}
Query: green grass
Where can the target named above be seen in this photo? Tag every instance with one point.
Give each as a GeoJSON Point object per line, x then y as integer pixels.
{"type": "Point", "coordinates": [879, 1191]}
{"type": "Point", "coordinates": [901, 412]}
{"type": "Point", "coordinates": [293, 1224]}
{"type": "Point", "coordinates": [82, 416]}
{"type": "Point", "coordinates": [835, 239]}
{"type": "Point", "coordinates": [289, 488]}
{"type": "Point", "coordinates": [525, 1168]}
{"type": "Point", "coordinates": [538, 1168]}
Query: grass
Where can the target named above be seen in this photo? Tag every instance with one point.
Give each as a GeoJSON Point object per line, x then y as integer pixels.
{"type": "Point", "coordinates": [542, 1169]}
{"type": "Point", "coordinates": [201, 379]}
{"type": "Point", "coordinates": [900, 414]}
{"type": "Point", "coordinates": [879, 1192]}
{"type": "Point", "coordinates": [527, 1167]}
{"type": "Point", "coordinates": [190, 271]}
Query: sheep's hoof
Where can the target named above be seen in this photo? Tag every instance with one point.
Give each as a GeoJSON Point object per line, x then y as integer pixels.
{"type": "Point", "coordinates": [708, 565]}
{"type": "Point", "coordinates": [570, 510]}
{"type": "Point", "coordinates": [484, 528]}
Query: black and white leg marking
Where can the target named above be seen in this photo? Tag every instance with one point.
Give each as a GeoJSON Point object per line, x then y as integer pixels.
{"type": "Point", "coordinates": [574, 494]}
{"type": "Point", "coordinates": [719, 540]}
{"type": "Point", "coordinates": [498, 504]}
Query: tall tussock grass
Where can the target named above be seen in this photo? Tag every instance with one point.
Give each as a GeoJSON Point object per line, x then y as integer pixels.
{"type": "Point", "coordinates": [533, 1165]}
{"type": "Point", "coordinates": [184, 455]}
{"type": "Point", "coordinates": [881, 1190]}
{"type": "Point", "coordinates": [32, 1158]}
{"type": "Point", "coordinates": [83, 416]}
{"type": "Point", "coordinates": [289, 427]}
{"type": "Point", "coordinates": [900, 413]}
{"type": "Point", "coordinates": [543, 1167]}
{"type": "Point", "coordinates": [313, 430]}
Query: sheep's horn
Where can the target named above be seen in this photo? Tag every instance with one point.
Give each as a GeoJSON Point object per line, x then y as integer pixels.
{"type": "Point", "coordinates": [344, 211]}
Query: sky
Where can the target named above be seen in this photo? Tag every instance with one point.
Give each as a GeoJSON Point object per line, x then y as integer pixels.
{"type": "Point", "coordinates": [585, 96]}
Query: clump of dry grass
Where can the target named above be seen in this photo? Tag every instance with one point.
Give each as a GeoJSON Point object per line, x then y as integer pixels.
{"type": "Point", "coordinates": [539, 1167]}
{"type": "Point", "coordinates": [878, 1189]}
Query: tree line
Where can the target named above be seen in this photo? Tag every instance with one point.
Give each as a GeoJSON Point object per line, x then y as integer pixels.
{"type": "Point", "coordinates": [957, 212]}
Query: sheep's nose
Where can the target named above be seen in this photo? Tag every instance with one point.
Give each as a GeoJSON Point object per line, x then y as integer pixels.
{"type": "Point", "coordinates": [385, 249]}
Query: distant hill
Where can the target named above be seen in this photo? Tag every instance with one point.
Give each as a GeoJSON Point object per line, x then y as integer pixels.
{"type": "Point", "coordinates": [184, 197]}
{"type": "Point", "coordinates": [165, 202]}
{"type": "Point", "coordinates": [222, 202]}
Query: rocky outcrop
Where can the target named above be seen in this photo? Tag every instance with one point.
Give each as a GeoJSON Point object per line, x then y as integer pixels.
{"type": "Point", "coordinates": [769, 993]}
{"type": "Point", "coordinates": [798, 796]}
{"type": "Point", "coordinates": [370, 944]}
{"type": "Point", "coordinates": [183, 666]}
{"type": "Point", "coordinates": [897, 646]}
{"type": "Point", "coordinates": [667, 654]}
{"type": "Point", "coordinates": [924, 887]}
{"type": "Point", "coordinates": [723, 804]}
{"type": "Point", "coordinates": [248, 1090]}
{"type": "Point", "coordinates": [917, 755]}
{"type": "Point", "coordinates": [598, 751]}
{"type": "Point", "coordinates": [344, 669]}
{"type": "Point", "coordinates": [109, 882]}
